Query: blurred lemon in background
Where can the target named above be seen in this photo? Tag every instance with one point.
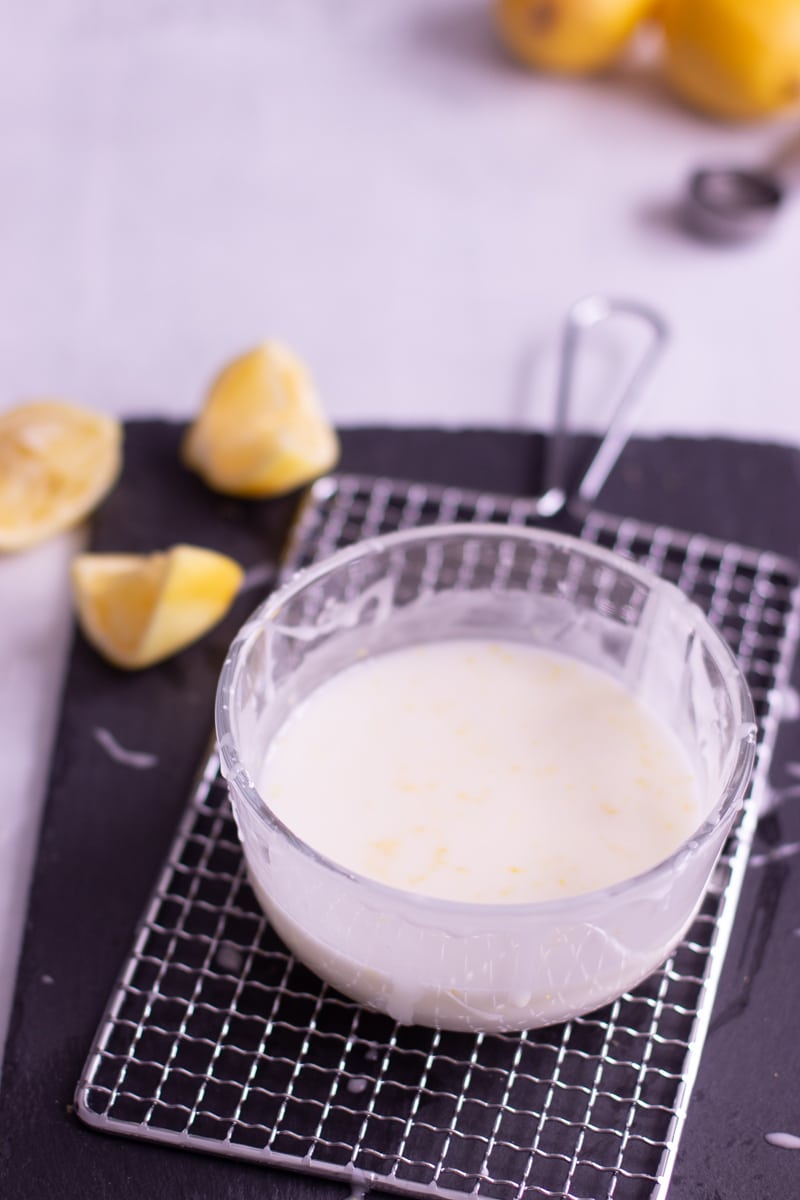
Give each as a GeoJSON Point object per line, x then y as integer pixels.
{"type": "Point", "coordinates": [57, 462]}
{"type": "Point", "coordinates": [261, 431]}
{"type": "Point", "coordinates": [138, 609]}
{"type": "Point", "coordinates": [737, 59]}
{"type": "Point", "coordinates": [569, 35]}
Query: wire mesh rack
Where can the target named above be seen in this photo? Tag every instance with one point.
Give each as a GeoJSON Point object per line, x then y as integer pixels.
{"type": "Point", "coordinates": [216, 1039]}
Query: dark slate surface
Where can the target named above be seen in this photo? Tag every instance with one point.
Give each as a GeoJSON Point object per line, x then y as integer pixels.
{"type": "Point", "coordinates": [106, 829]}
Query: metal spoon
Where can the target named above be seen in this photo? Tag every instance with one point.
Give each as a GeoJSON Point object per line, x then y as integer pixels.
{"type": "Point", "coordinates": [584, 316]}
{"type": "Point", "coordinates": [731, 204]}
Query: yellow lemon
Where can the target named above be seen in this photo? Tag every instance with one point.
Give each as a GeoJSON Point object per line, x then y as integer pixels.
{"type": "Point", "coordinates": [138, 609]}
{"type": "Point", "coordinates": [262, 431]}
{"type": "Point", "coordinates": [57, 462]}
{"type": "Point", "coordinates": [736, 59]}
{"type": "Point", "coordinates": [568, 35]}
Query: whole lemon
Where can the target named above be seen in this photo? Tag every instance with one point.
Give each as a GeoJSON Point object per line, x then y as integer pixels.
{"type": "Point", "coordinates": [574, 36]}
{"type": "Point", "coordinates": [733, 58]}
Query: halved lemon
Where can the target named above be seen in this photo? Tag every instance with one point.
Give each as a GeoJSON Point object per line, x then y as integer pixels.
{"type": "Point", "coordinates": [138, 609]}
{"type": "Point", "coordinates": [57, 462]}
{"type": "Point", "coordinates": [262, 430]}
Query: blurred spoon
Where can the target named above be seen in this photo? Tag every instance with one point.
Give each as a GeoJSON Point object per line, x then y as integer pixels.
{"type": "Point", "coordinates": [730, 204]}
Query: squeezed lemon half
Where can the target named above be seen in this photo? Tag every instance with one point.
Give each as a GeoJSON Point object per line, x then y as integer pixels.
{"type": "Point", "coordinates": [262, 431]}
{"type": "Point", "coordinates": [138, 609]}
{"type": "Point", "coordinates": [57, 462]}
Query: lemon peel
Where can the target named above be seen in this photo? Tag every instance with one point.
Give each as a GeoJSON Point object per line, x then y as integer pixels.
{"type": "Point", "coordinates": [734, 59]}
{"type": "Point", "coordinates": [571, 36]}
{"type": "Point", "coordinates": [58, 460]}
{"type": "Point", "coordinates": [262, 431]}
{"type": "Point", "coordinates": [138, 609]}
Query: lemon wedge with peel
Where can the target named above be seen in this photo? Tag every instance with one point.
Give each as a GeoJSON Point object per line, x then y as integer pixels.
{"type": "Point", "coordinates": [262, 430]}
{"type": "Point", "coordinates": [138, 609]}
{"type": "Point", "coordinates": [57, 462]}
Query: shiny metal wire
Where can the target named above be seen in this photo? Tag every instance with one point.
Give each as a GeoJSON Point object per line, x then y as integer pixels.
{"type": "Point", "coordinates": [215, 1039]}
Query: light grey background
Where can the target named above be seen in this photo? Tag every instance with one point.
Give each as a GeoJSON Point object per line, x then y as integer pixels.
{"type": "Point", "coordinates": [372, 182]}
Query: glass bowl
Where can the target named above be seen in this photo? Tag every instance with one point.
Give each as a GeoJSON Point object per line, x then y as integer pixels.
{"type": "Point", "coordinates": [472, 966]}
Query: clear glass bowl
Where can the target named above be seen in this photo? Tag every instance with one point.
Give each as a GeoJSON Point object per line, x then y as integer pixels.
{"type": "Point", "coordinates": [482, 967]}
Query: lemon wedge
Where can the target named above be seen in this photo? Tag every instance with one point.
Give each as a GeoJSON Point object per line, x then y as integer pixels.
{"type": "Point", "coordinates": [138, 609]}
{"type": "Point", "coordinates": [57, 462]}
{"type": "Point", "coordinates": [261, 431]}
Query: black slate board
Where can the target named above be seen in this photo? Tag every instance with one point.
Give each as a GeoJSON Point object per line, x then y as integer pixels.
{"type": "Point", "coordinates": [106, 828]}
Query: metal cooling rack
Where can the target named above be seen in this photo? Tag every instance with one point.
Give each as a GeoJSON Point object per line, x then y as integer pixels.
{"type": "Point", "coordinates": [216, 1039]}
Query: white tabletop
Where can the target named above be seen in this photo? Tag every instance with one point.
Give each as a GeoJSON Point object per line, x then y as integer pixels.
{"type": "Point", "coordinates": [374, 184]}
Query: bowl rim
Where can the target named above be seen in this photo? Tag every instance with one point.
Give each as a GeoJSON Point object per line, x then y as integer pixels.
{"type": "Point", "coordinates": [719, 818]}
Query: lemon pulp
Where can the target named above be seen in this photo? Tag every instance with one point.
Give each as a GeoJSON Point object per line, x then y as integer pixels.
{"type": "Point", "coordinates": [262, 430]}
{"type": "Point", "coordinates": [57, 462]}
